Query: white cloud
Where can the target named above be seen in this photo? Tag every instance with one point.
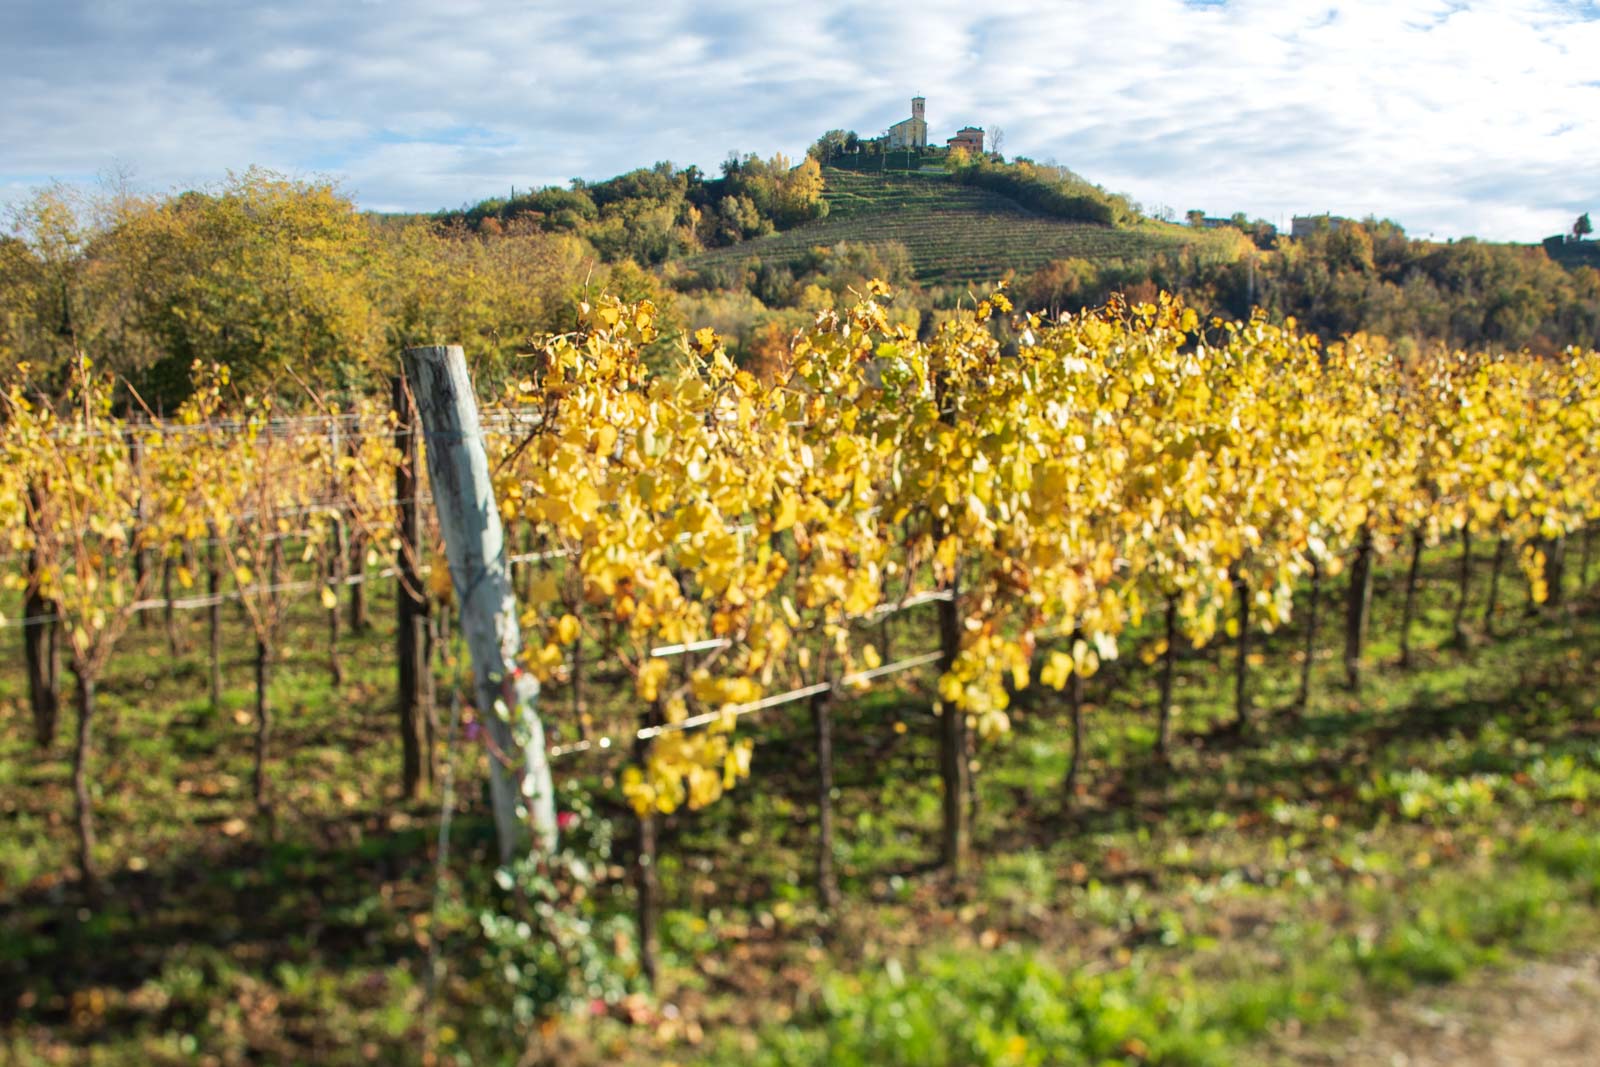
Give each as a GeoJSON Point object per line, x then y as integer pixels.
{"type": "Point", "coordinates": [1454, 118]}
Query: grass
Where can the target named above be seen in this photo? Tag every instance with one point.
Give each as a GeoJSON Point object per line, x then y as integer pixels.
{"type": "Point", "coordinates": [953, 233]}
{"type": "Point", "coordinates": [1437, 823]}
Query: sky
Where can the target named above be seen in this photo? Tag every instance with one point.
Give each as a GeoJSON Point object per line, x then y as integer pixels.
{"type": "Point", "coordinates": [1452, 118]}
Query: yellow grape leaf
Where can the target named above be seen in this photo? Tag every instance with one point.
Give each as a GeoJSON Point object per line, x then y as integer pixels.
{"type": "Point", "coordinates": [651, 675]}
{"type": "Point", "coordinates": [788, 513]}
{"type": "Point", "coordinates": [1057, 670]}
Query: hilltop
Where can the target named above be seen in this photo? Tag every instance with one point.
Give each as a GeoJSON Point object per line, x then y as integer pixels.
{"type": "Point", "coordinates": [952, 232]}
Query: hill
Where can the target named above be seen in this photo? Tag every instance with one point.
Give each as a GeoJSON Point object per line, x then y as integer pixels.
{"type": "Point", "coordinates": [953, 232]}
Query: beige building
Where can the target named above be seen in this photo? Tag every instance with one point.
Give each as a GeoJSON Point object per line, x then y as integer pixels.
{"type": "Point", "coordinates": [911, 132]}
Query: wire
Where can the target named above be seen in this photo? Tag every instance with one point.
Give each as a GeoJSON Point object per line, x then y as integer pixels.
{"type": "Point", "coordinates": [737, 710]}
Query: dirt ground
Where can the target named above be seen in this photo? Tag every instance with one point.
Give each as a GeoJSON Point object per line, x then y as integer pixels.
{"type": "Point", "coordinates": [1545, 1014]}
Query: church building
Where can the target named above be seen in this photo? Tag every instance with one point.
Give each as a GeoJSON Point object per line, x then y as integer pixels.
{"type": "Point", "coordinates": [911, 132]}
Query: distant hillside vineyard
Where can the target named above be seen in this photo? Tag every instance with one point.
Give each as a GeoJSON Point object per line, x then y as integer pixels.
{"type": "Point", "coordinates": [953, 232]}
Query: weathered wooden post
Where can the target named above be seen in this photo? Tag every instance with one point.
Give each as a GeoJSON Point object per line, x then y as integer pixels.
{"type": "Point", "coordinates": [474, 540]}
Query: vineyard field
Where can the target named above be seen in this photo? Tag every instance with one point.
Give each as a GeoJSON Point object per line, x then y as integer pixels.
{"type": "Point", "coordinates": [1142, 691]}
{"type": "Point", "coordinates": [954, 233]}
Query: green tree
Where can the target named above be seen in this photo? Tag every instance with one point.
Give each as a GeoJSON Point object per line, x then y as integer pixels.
{"type": "Point", "coordinates": [265, 275]}
{"type": "Point", "coordinates": [1583, 227]}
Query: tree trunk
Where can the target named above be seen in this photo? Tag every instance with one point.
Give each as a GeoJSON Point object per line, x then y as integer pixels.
{"type": "Point", "coordinates": [41, 650]}
{"type": "Point", "coordinates": [337, 554]}
{"type": "Point", "coordinates": [646, 884]}
{"type": "Point", "coordinates": [1410, 609]}
{"type": "Point", "coordinates": [1241, 666]}
{"type": "Point", "coordinates": [1303, 702]}
{"type": "Point", "coordinates": [822, 721]}
{"type": "Point", "coordinates": [214, 618]}
{"type": "Point", "coordinates": [529, 570]}
{"type": "Point", "coordinates": [1555, 572]}
{"type": "Point", "coordinates": [141, 561]}
{"type": "Point", "coordinates": [40, 639]}
{"type": "Point", "coordinates": [953, 766]}
{"type": "Point", "coordinates": [1492, 604]}
{"type": "Point", "coordinates": [263, 720]}
{"type": "Point", "coordinates": [410, 605]}
{"type": "Point", "coordinates": [169, 615]}
{"type": "Point", "coordinates": [1069, 787]}
{"type": "Point", "coordinates": [1458, 629]}
{"type": "Point", "coordinates": [80, 780]}
{"type": "Point", "coordinates": [1169, 664]}
{"type": "Point", "coordinates": [1356, 609]}
{"type": "Point", "coordinates": [1583, 558]}
{"type": "Point", "coordinates": [580, 711]}
{"type": "Point", "coordinates": [357, 605]}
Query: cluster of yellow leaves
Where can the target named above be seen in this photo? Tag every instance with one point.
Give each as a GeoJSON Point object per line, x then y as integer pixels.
{"type": "Point", "coordinates": [103, 502]}
{"type": "Point", "coordinates": [1058, 477]}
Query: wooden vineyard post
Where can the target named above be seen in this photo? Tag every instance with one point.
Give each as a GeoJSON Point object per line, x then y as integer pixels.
{"type": "Point", "coordinates": [411, 607]}
{"type": "Point", "coordinates": [458, 468]}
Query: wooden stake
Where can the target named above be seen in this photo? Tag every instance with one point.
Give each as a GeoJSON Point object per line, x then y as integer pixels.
{"type": "Point", "coordinates": [458, 468]}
